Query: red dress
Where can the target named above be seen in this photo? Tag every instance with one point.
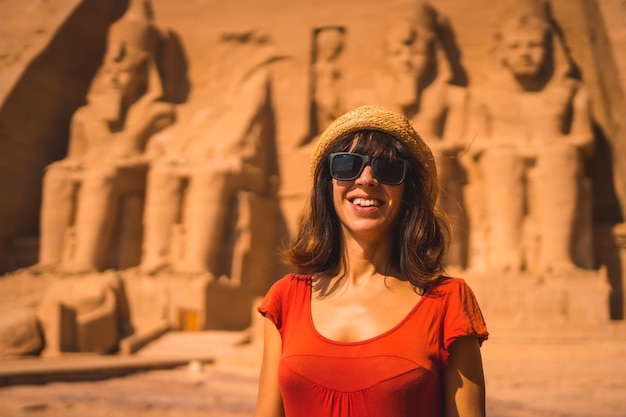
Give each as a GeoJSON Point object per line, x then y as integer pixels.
{"type": "Point", "coordinates": [395, 374]}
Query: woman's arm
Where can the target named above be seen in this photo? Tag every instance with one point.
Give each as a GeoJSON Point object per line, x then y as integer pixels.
{"type": "Point", "coordinates": [269, 401]}
{"type": "Point", "coordinates": [464, 382]}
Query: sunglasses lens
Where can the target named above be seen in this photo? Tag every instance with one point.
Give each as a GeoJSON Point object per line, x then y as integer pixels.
{"type": "Point", "coordinates": [388, 171]}
{"type": "Point", "coordinates": [345, 167]}
{"type": "Point", "coordinates": [348, 166]}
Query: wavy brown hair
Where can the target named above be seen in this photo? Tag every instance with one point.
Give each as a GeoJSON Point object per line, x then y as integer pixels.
{"type": "Point", "coordinates": [421, 235]}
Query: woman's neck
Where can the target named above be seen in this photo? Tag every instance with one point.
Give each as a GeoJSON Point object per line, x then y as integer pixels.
{"type": "Point", "coordinates": [365, 260]}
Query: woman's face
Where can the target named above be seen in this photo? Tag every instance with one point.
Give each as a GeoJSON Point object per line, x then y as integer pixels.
{"type": "Point", "coordinates": [367, 209]}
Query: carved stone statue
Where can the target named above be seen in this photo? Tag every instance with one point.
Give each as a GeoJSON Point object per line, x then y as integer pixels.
{"type": "Point", "coordinates": [126, 104]}
{"type": "Point", "coordinates": [529, 192]}
{"type": "Point", "coordinates": [198, 195]}
{"type": "Point", "coordinates": [327, 78]}
{"type": "Point", "coordinates": [422, 81]}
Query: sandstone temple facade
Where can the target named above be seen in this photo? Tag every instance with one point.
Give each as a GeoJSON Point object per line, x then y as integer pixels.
{"type": "Point", "coordinates": [154, 154]}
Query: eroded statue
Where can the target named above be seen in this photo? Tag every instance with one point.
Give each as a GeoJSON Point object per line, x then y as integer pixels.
{"type": "Point", "coordinates": [423, 81]}
{"type": "Point", "coordinates": [126, 104]}
{"type": "Point", "coordinates": [223, 167]}
{"type": "Point", "coordinates": [97, 190]}
{"type": "Point", "coordinates": [530, 195]}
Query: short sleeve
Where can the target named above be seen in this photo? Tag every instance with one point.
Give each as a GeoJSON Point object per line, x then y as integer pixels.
{"type": "Point", "coordinates": [462, 316]}
{"type": "Point", "coordinates": [273, 302]}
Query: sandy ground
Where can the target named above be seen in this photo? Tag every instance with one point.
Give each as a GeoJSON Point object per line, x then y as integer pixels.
{"type": "Point", "coordinates": [538, 379]}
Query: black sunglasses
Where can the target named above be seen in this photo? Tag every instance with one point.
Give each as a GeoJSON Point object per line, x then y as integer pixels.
{"type": "Point", "coordinates": [348, 166]}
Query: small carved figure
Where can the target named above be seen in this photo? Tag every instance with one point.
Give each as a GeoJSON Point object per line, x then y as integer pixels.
{"type": "Point", "coordinates": [327, 77]}
{"type": "Point", "coordinates": [533, 130]}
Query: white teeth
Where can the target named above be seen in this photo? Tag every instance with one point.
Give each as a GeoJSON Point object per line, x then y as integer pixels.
{"type": "Point", "coordinates": [365, 203]}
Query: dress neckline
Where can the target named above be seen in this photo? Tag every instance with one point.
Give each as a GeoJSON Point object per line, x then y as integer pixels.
{"type": "Point", "coordinates": [372, 339]}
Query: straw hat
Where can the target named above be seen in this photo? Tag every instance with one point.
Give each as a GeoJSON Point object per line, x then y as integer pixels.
{"type": "Point", "coordinates": [373, 117]}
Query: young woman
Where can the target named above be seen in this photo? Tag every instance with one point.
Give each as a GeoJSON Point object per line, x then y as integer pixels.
{"type": "Point", "coordinates": [369, 326]}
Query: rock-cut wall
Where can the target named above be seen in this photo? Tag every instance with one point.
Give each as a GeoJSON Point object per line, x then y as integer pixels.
{"type": "Point", "coordinates": [172, 139]}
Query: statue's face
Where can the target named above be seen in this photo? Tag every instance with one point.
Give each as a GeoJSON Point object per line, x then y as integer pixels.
{"type": "Point", "coordinates": [524, 51]}
{"type": "Point", "coordinates": [122, 70]}
{"type": "Point", "coordinates": [117, 79]}
{"type": "Point", "coordinates": [118, 85]}
{"type": "Point", "coordinates": [128, 73]}
{"type": "Point", "coordinates": [409, 52]}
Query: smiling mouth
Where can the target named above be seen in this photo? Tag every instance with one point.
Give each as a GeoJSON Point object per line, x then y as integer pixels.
{"type": "Point", "coordinates": [366, 202]}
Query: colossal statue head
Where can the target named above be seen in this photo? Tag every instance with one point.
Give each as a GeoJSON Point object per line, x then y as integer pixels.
{"type": "Point", "coordinates": [409, 49]}
{"type": "Point", "coordinates": [529, 45]}
{"type": "Point", "coordinates": [121, 83]}
{"type": "Point", "coordinates": [525, 45]}
{"type": "Point", "coordinates": [129, 68]}
{"type": "Point", "coordinates": [419, 49]}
